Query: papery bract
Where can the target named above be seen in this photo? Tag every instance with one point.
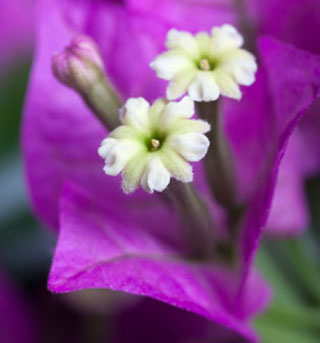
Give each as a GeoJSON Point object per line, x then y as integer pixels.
{"type": "Point", "coordinates": [16, 30]}
{"type": "Point", "coordinates": [289, 212]}
{"type": "Point", "coordinates": [293, 78]}
{"type": "Point", "coordinates": [100, 248]}
{"type": "Point", "coordinates": [152, 321]}
{"type": "Point", "coordinates": [111, 241]}
{"type": "Point", "coordinates": [16, 318]}
{"type": "Point", "coordinates": [193, 15]}
{"type": "Point", "coordinates": [296, 22]}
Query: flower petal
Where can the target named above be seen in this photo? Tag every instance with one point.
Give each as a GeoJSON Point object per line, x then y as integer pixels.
{"type": "Point", "coordinates": [177, 110]}
{"type": "Point", "coordinates": [204, 43]}
{"type": "Point", "coordinates": [184, 41]}
{"type": "Point", "coordinates": [118, 154]}
{"type": "Point", "coordinates": [191, 146]}
{"type": "Point", "coordinates": [242, 69]}
{"type": "Point", "coordinates": [133, 172]}
{"type": "Point", "coordinates": [155, 177]}
{"type": "Point", "coordinates": [179, 85]}
{"type": "Point", "coordinates": [156, 111]}
{"type": "Point", "coordinates": [183, 126]}
{"type": "Point", "coordinates": [135, 113]}
{"type": "Point", "coordinates": [106, 145]}
{"type": "Point", "coordinates": [171, 63]}
{"type": "Point", "coordinates": [227, 85]}
{"type": "Point", "coordinates": [226, 37]}
{"type": "Point", "coordinates": [204, 87]}
{"type": "Point", "coordinates": [176, 165]}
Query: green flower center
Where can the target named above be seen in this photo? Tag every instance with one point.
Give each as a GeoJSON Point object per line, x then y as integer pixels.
{"type": "Point", "coordinates": [155, 142]}
{"type": "Point", "coordinates": [206, 64]}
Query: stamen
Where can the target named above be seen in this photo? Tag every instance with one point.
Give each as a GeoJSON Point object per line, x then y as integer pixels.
{"type": "Point", "coordinates": [155, 144]}
{"type": "Point", "coordinates": [204, 64]}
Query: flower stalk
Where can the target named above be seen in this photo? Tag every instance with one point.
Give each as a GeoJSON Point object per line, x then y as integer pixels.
{"type": "Point", "coordinates": [198, 225]}
{"type": "Point", "coordinates": [104, 103]}
{"type": "Point", "coordinates": [219, 165]}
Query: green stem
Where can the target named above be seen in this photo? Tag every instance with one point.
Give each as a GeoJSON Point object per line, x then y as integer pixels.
{"type": "Point", "coordinates": [198, 224]}
{"type": "Point", "coordinates": [246, 26]}
{"type": "Point", "coordinates": [103, 102]}
{"type": "Point", "coordinates": [219, 165]}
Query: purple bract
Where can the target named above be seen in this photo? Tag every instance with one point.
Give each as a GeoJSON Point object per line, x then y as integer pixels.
{"type": "Point", "coordinates": [133, 243]}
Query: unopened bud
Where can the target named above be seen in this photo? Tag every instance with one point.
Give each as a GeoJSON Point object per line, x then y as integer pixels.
{"type": "Point", "coordinates": [79, 65]}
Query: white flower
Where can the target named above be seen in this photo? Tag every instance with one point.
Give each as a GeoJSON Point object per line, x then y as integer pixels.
{"type": "Point", "coordinates": [205, 66]}
{"type": "Point", "coordinates": [154, 143]}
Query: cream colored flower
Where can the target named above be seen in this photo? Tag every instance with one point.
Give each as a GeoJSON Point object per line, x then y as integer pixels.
{"type": "Point", "coordinates": [205, 66]}
{"type": "Point", "coordinates": [154, 143]}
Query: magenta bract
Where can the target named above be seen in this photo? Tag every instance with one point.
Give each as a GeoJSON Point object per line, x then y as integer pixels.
{"type": "Point", "coordinates": [16, 30]}
{"type": "Point", "coordinates": [16, 318]}
{"type": "Point", "coordinates": [295, 22]}
{"type": "Point", "coordinates": [133, 243]}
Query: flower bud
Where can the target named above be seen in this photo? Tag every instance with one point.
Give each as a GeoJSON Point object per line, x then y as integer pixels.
{"type": "Point", "coordinates": [79, 65]}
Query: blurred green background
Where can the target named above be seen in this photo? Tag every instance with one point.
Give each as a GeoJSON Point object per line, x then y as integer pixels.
{"type": "Point", "coordinates": [25, 247]}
